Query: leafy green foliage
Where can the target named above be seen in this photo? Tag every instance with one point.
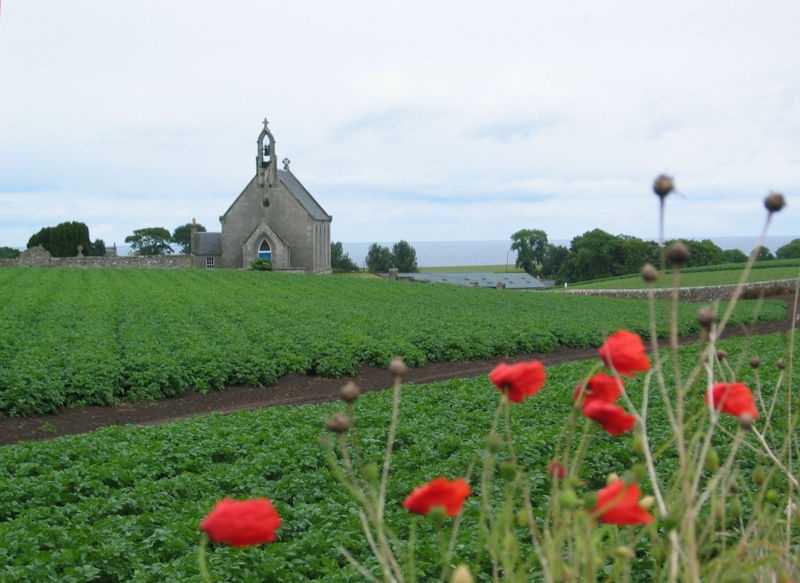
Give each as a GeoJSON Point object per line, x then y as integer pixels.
{"type": "Point", "coordinates": [150, 241]}
{"type": "Point", "coordinates": [8, 253]}
{"type": "Point", "coordinates": [404, 257]}
{"type": "Point", "coordinates": [789, 251]}
{"type": "Point", "coordinates": [63, 240]}
{"type": "Point", "coordinates": [261, 264]}
{"type": "Point", "coordinates": [379, 258]}
{"type": "Point", "coordinates": [531, 247]}
{"type": "Point", "coordinates": [182, 236]}
{"type": "Point", "coordinates": [340, 261]}
{"type": "Point", "coordinates": [76, 337]}
{"type": "Point", "coordinates": [125, 503]}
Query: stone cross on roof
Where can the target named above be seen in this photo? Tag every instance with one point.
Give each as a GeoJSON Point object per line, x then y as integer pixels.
{"type": "Point", "coordinates": [266, 123]}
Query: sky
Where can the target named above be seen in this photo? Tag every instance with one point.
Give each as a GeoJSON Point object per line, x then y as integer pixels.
{"type": "Point", "coordinates": [430, 120]}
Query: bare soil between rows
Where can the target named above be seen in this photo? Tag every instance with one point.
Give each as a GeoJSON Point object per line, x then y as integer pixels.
{"type": "Point", "coordinates": [292, 389]}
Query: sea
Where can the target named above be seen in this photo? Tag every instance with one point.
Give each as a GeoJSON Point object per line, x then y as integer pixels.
{"type": "Point", "coordinates": [471, 253]}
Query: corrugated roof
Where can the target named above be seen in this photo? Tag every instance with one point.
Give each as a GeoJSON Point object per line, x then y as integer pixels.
{"type": "Point", "coordinates": [302, 195]}
{"type": "Point", "coordinates": [482, 278]}
{"type": "Point", "coordinates": [208, 244]}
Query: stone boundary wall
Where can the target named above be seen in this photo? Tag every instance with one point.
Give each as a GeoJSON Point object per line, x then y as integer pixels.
{"type": "Point", "coordinates": [35, 258]}
{"type": "Point", "coordinates": [699, 294]}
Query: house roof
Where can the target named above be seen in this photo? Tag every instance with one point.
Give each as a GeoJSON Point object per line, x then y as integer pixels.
{"type": "Point", "coordinates": [208, 244]}
{"type": "Point", "coordinates": [483, 279]}
{"type": "Point", "coordinates": [304, 197]}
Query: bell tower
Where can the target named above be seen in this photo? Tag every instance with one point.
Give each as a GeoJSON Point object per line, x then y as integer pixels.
{"type": "Point", "coordinates": [266, 161]}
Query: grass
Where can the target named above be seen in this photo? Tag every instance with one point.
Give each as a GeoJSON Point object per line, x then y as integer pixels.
{"type": "Point", "coordinates": [696, 278]}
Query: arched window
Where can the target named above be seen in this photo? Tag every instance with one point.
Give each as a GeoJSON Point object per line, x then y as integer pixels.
{"type": "Point", "coordinates": [264, 250]}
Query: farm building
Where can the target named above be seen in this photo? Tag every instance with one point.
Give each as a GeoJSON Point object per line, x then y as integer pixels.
{"type": "Point", "coordinates": [273, 217]}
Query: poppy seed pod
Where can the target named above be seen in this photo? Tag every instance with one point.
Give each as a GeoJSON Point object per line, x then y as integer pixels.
{"type": "Point", "coordinates": [781, 364]}
{"type": "Point", "coordinates": [663, 185]}
{"type": "Point", "coordinates": [678, 253]}
{"type": "Point", "coordinates": [721, 355]}
{"type": "Point", "coordinates": [705, 317]}
{"type": "Point", "coordinates": [350, 392]}
{"type": "Point", "coordinates": [774, 202]}
{"type": "Point", "coordinates": [755, 362]}
{"type": "Point", "coordinates": [746, 422]}
{"type": "Point", "coordinates": [649, 273]}
{"type": "Point", "coordinates": [339, 423]}
{"type": "Point", "coordinates": [398, 366]}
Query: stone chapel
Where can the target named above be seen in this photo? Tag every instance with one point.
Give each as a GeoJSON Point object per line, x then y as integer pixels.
{"type": "Point", "coordinates": [274, 217]}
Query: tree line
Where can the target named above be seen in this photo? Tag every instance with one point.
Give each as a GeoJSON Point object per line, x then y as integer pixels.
{"type": "Point", "coordinates": [597, 254]}
{"type": "Point", "coordinates": [379, 258]}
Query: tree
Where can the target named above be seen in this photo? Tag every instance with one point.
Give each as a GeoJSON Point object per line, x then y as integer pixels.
{"type": "Point", "coordinates": [63, 240]}
{"type": "Point", "coordinates": [553, 258]}
{"type": "Point", "coordinates": [379, 258]}
{"type": "Point", "coordinates": [404, 257]}
{"type": "Point", "coordinates": [182, 236]}
{"type": "Point", "coordinates": [734, 256]}
{"type": "Point", "coordinates": [8, 253]}
{"type": "Point", "coordinates": [593, 255]}
{"type": "Point", "coordinates": [531, 248]}
{"type": "Point", "coordinates": [150, 241]}
{"type": "Point", "coordinates": [340, 260]}
{"type": "Point", "coordinates": [764, 254]}
{"type": "Point", "coordinates": [789, 251]}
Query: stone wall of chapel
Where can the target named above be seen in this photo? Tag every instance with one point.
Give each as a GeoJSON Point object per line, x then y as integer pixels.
{"type": "Point", "coordinates": [284, 213]}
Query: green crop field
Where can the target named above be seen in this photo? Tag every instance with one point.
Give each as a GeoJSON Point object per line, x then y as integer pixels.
{"type": "Point", "coordinates": [125, 503]}
{"type": "Point", "coordinates": [92, 337]}
{"type": "Point", "coordinates": [710, 275]}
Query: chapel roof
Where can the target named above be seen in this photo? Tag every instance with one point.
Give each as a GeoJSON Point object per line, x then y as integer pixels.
{"type": "Point", "coordinates": [304, 197]}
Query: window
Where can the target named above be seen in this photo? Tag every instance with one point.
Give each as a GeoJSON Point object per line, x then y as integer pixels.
{"type": "Point", "coordinates": [264, 251]}
{"type": "Point", "coordinates": [209, 263]}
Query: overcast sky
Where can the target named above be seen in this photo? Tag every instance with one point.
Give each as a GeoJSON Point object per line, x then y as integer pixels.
{"type": "Point", "coordinates": [418, 120]}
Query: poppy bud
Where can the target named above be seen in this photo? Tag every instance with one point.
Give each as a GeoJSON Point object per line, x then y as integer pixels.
{"type": "Point", "coordinates": [774, 202]}
{"type": "Point", "coordinates": [647, 502]}
{"type": "Point", "coordinates": [735, 508]}
{"type": "Point", "coordinates": [370, 472]}
{"type": "Point", "coordinates": [611, 478]}
{"type": "Point", "coordinates": [705, 317]}
{"type": "Point", "coordinates": [494, 442]}
{"type": "Point", "coordinates": [721, 355]}
{"type": "Point", "coordinates": [733, 488]}
{"type": "Point", "coordinates": [781, 364]}
{"type": "Point", "coordinates": [339, 423]}
{"type": "Point", "coordinates": [759, 476]}
{"type": "Point", "coordinates": [772, 495]}
{"type": "Point", "coordinates": [624, 553]}
{"type": "Point", "coordinates": [590, 499]}
{"type": "Point", "coordinates": [398, 366]}
{"type": "Point", "coordinates": [746, 422]}
{"type": "Point", "coordinates": [649, 273]}
{"type": "Point", "coordinates": [678, 253]}
{"type": "Point", "coordinates": [638, 444]}
{"type": "Point", "coordinates": [718, 510]}
{"type": "Point", "coordinates": [568, 498]}
{"type": "Point", "coordinates": [522, 518]}
{"type": "Point", "coordinates": [462, 574]}
{"type": "Point", "coordinates": [508, 469]}
{"type": "Point", "coordinates": [712, 460]}
{"type": "Point", "coordinates": [663, 185]}
{"type": "Point", "coordinates": [350, 392]}
{"type": "Point", "coordinates": [755, 362]}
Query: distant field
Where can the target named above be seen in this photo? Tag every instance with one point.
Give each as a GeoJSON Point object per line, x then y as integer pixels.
{"type": "Point", "coordinates": [695, 278]}
{"type": "Point", "coordinates": [474, 268]}
{"type": "Point", "coordinates": [92, 337]}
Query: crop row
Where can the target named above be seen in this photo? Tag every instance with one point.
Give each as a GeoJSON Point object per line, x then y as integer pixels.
{"type": "Point", "coordinates": [125, 503]}
{"type": "Point", "coordinates": [92, 337]}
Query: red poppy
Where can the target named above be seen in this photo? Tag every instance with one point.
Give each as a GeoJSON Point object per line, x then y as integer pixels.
{"type": "Point", "coordinates": [439, 492]}
{"type": "Point", "coordinates": [556, 469]}
{"type": "Point", "coordinates": [624, 352]}
{"type": "Point", "coordinates": [733, 398]}
{"type": "Point", "coordinates": [618, 503]}
{"type": "Point", "coordinates": [602, 387]}
{"type": "Point", "coordinates": [519, 380]}
{"type": "Point", "coordinates": [612, 418]}
{"type": "Point", "coordinates": [242, 523]}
